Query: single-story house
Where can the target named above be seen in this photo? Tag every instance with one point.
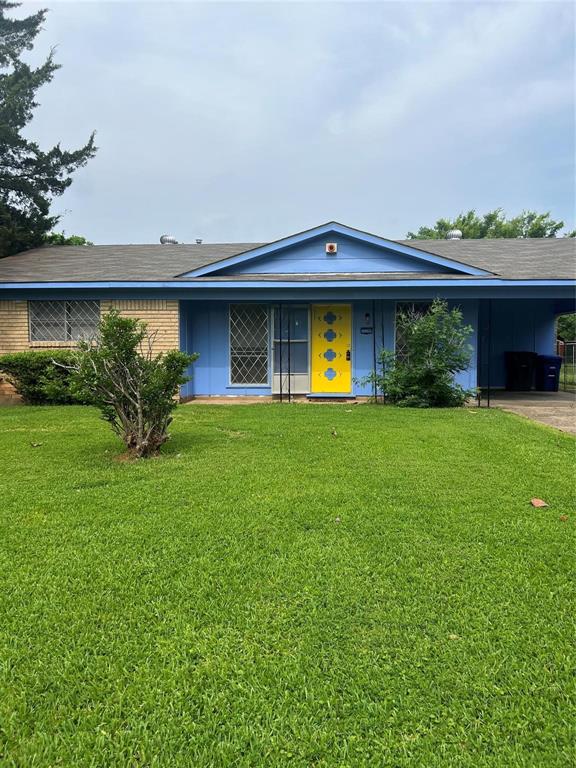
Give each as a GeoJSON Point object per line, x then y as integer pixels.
{"type": "Point", "coordinates": [306, 314]}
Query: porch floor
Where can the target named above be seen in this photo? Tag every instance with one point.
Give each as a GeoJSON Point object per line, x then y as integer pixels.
{"type": "Point", "coordinates": [555, 409]}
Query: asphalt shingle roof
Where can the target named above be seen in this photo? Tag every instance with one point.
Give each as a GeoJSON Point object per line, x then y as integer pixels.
{"type": "Point", "coordinates": [536, 258]}
{"type": "Point", "coordinates": [521, 259]}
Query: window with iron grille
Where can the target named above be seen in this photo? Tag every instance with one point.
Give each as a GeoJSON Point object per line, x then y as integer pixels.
{"type": "Point", "coordinates": [63, 320]}
{"type": "Point", "coordinates": [249, 344]}
{"type": "Point", "coordinates": [412, 309]}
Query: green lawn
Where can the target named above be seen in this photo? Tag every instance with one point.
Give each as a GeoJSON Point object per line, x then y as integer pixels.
{"type": "Point", "coordinates": [269, 594]}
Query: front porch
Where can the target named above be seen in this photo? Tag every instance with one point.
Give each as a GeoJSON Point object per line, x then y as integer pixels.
{"type": "Point", "coordinates": [328, 346]}
{"type": "Point", "coordinates": [308, 349]}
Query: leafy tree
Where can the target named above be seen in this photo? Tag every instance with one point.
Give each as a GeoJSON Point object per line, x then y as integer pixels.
{"type": "Point", "coordinates": [29, 176]}
{"type": "Point", "coordinates": [134, 389]}
{"type": "Point", "coordinates": [566, 328]}
{"type": "Point", "coordinates": [60, 238]}
{"type": "Point", "coordinates": [435, 349]}
{"type": "Point", "coordinates": [492, 224]}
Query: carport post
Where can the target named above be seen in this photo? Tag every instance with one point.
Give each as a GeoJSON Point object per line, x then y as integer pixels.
{"type": "Point", "coordinates": [279, 351]}
{"type": "Point", "coordinates": [489, 366]}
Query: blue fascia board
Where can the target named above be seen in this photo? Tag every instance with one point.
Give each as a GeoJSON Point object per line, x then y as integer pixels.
{"type": "Point", "coordinates": [341, 229]}
{"type": "Point", "coordinates": [175, 285]}
{"type": "Point", "coordinates": [456, 290]}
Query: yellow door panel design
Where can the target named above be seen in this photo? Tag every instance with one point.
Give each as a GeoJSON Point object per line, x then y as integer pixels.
{"type": "Point", "coordinates": [331, 364]}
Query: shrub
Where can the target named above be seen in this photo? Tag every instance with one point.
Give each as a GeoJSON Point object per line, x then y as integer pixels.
{"type": "Point", "coordinates": [133, 388]}
{"type": "Point", "coordinates": [436, 348]}
{"type": "Point", "coordinates": [40, 376]}
{"type": "Point", "coordinates": [566, 327]}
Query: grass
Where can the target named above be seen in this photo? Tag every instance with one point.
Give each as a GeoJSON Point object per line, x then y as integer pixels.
{"type": "Point", "coordinates": [270, 594]}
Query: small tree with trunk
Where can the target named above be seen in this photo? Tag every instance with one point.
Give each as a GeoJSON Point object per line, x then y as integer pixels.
{"type": "Point", "coordinates": [135, 389]}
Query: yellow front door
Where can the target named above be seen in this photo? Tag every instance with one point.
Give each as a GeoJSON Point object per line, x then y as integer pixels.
{"type": "Point", "coordinates": [331, 365]}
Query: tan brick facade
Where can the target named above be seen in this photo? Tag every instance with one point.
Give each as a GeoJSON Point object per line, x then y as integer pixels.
{"type": "Point", "coordinates": [162, 316]}
{"type": "Point", "coordinates": [13, 326]}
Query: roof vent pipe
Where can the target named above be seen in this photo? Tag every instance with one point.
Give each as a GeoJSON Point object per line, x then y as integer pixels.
{"type": "Point", "coordinates": [454, 234]}
{"type": "Point", "coordinates": [198, 241]}
{"type": "Point", "coordinates": [168, 240]}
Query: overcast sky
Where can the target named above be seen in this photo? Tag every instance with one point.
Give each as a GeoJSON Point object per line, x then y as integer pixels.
{"type": "Point", "coordinates": [249, 121]}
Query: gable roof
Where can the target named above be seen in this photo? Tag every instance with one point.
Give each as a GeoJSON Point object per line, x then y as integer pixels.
{"type": "Point", "coordinates": [514, 259]}
{"type": "Point", "coordinates": [330, 230]}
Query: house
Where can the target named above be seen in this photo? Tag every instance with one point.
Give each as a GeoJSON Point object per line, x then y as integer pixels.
{"type": "Point", "coordinates": [303, 315]}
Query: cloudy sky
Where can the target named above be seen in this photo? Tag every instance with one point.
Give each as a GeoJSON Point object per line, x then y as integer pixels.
{"type": "Point", "coordinates": [248, 121]}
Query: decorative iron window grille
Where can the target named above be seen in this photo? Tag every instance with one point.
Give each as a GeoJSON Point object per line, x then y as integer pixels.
{"type": "Point", "coordinates": [410, 309]}
{"type": "Point", "coordinates": [249, 344]}
{"type": "Point", "coordinates": [63, 320]}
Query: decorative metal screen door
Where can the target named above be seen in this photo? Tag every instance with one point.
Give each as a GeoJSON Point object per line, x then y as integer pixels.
{"type": "Point", "coordinates": [331, 362]}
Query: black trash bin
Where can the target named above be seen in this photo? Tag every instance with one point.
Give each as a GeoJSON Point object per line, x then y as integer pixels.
{"type": "Point", "coordinates": [548, 372]}
{"type": "Point", "coordinates": [520, 371]}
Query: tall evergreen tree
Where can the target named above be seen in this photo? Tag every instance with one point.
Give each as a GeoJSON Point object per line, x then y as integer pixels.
{"type": "Point", "coordinates": [29, 176]}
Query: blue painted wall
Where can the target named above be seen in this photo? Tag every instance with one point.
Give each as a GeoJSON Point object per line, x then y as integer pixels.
{"type": "Point", "coordinates": [204, 329]}
{"type": "Point", "coordinates": [516, 325]}
{"type": "Point", "coordinates": [469, 378]}
{"type": "Point", "coordinates": [352, 256]}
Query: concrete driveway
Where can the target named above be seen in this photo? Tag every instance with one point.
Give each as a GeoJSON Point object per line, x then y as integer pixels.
{"type": "Point", "coordinates": [556, 409]}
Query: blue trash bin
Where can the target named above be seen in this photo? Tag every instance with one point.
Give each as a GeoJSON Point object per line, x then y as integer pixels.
{"type": "Point", "coordinates": [548, 372]}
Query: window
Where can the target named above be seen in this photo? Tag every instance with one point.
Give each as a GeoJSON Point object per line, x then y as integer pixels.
{"type": "Point", "coordinates": [63, 320]}
{"type": "Point", "coordinates": [411, 308]}
{"type": "Point", "coordinates": [248, 344]}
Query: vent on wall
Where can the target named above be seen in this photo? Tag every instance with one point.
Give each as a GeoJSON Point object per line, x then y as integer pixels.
{"type": "Point", "coordinates": [331, 247]}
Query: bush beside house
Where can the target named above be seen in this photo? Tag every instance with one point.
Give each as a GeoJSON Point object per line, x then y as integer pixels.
{"type": "Point", "coordinates": [435, 349]}
{"type": "Point", "coordinates": [40, 377]}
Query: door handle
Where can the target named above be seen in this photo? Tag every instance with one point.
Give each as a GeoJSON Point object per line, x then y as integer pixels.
{"type": "Point", "coordinates": [347, 354]}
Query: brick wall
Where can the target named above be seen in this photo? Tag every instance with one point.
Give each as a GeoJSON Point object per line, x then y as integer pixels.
{"type": "Point", "coordinates": [160, 315]}
{"type": "Point", "coordinates": [13, 326]}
